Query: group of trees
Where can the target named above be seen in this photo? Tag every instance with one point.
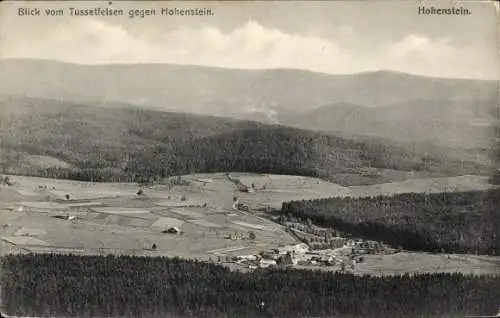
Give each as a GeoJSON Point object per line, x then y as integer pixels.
{"type": "Point", "coordinates": [465, 222]}
{"type": "Point", "coordinates": [5, 181]}
{"type": "Point", "coordinates": [126, 286]}
{"type": "Point", "coordinates": [315, 237]}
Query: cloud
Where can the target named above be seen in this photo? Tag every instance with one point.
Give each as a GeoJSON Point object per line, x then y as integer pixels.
{"type": "Point", "coordinates": [251, 45]}
{"type": "Point", "coordinates": [410, 43]}
{"type": "Point", "coordinates": [419, 54]}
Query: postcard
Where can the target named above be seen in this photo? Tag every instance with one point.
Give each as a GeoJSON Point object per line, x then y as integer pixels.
{"type": "Point", "coordinates": [249, 158]}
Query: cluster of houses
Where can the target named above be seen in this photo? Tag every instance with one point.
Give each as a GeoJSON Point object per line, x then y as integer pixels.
{"type": "Point", "coordinates": [300, 254]}
{"type": "Point", "coordinates": [284, 255]}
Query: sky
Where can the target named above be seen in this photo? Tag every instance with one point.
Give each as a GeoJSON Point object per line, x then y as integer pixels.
{"type": "Point", "coordinates": [336, 37]}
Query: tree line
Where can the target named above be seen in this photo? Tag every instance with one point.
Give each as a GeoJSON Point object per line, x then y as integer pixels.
{"type": "Point", "coordinates": [128, 286]}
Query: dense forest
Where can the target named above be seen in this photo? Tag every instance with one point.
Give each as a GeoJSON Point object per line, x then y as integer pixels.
{"type": "Point", "coordinates": [463, 222]}
{"type": "Point", "coordinates": [89, 286]}
{"type": "Point", "coordinates": [495, 179]}
{"type": "Point", "coordinates": [125, 144]}
{"type": "Point", "coordinates": [496, 156]}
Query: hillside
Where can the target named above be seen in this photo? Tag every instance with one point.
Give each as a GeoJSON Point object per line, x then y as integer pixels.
{"type": "Point", "coordinates": [455, 113]}
{"type": "Point", "coordinates": [118, 144]}
{"type": "Point", "coordinates": [458, 124]}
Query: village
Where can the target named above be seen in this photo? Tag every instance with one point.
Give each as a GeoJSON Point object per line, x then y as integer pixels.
{"type": "Point", "coordinates": [318, 247]}
{"type": "Point", "coordinates": [342, 255]}
{"type": "Point", "coordinates": [301, 255]}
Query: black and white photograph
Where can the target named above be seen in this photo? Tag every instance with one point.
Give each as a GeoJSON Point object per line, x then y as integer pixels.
{"type": "Point", "coordinates": [246, 159]}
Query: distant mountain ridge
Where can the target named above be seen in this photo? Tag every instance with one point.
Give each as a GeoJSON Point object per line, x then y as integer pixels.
{"type": "Point", "coordinates": [218, 91]}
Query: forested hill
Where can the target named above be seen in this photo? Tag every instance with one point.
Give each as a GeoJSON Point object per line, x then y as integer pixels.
{"type": "Point", "coordinates": [284, 150]}
{"type": "Point", "coordinates": [127, 144]}
{"type": "Point", "coordinates": [461, 222]}
{"type": "Point", "coordinates": [464, 124]}
{"type": "Point", "coordinates": [396, 106]}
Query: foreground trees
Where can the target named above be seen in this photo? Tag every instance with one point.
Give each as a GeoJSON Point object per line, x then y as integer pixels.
{"type": "Point", "coordinates": [66, 285]}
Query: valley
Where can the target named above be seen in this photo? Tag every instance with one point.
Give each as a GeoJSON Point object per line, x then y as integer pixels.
{"type": "Point", "coordinates": [61, 216]}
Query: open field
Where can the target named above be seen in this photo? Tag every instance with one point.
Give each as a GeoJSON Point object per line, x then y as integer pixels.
{"type": "Point", "coordinates": [44, 205]}
{"type": "Point", "coordinates": [112, 218]}
{"type": "Point", "coordinates": [278, 189]}
{"type": "Point", "coordinates": [165, 223]}
{"type": "Point", "coordinates": [431, 185]}
{"type": "Point", "coordinates": [409, 262]}
{"type": "Point", "coordinates": [401, 263]}
{"type": "Point", "coordinates": [252, 226]}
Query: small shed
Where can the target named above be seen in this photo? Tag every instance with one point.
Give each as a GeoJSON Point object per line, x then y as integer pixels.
{"type": "Point", "coordinates": [172, 230]}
